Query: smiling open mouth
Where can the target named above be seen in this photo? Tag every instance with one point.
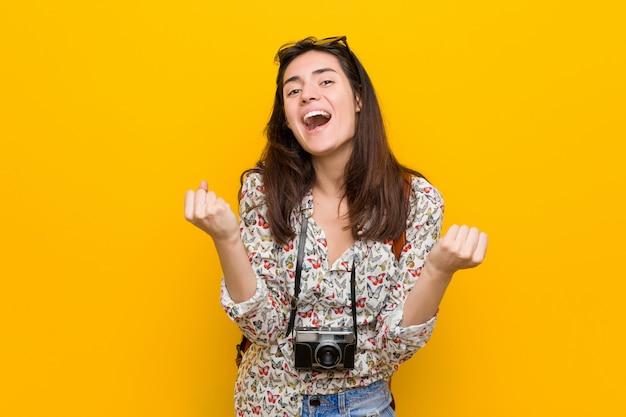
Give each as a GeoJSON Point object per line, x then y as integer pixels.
{"type": "Point", "coordinates": [315, 119]}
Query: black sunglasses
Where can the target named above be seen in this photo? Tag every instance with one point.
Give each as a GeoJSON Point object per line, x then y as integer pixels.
{"type": "Point", "coordinates": [342, 40]}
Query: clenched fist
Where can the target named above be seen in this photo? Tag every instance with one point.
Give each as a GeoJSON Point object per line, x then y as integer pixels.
{"type": "Point", "coordinates": [211, 213]}
{"type": "Point", "coordinates": [461, 248]}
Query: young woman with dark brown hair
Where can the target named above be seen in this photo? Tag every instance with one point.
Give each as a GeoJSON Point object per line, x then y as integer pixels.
{"type": "Point", "coordinates": [310, 274]}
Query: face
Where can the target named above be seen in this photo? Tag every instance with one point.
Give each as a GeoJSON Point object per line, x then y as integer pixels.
{"type": "Point", "coordinates": [320, 105]}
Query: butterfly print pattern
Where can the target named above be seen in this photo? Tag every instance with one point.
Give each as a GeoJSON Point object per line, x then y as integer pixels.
{"type": "Point", "coordinates": [267, 383]}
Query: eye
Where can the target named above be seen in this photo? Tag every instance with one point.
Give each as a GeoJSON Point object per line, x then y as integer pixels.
{"type": "Point", "coordinates": [293, 92]}
{"type": "Point", "coordinates": [326, 82]}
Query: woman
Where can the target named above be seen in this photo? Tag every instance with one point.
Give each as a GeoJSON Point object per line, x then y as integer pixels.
{"type": "Point", "coordinates": [328, 187]}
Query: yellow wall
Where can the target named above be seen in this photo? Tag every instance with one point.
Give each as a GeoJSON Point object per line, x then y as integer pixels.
{"type": "Point", "coordinates": [110, 111]}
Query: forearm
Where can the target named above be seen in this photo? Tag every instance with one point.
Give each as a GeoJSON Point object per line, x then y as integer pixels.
{"type": "Point", "coordinates": [262, 317]}
{"type": "Point", "coordinates": [423, 300]}
{"type": "Point", "coordinates": [238, 274]}
{"type": "Point", "coordinates": [462, 247]}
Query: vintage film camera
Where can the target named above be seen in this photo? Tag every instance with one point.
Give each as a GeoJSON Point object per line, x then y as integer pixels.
{"type": "Point", "coordinates": [324, 347]}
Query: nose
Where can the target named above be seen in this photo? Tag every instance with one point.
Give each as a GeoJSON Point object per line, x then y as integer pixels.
{"type": "Point", "coordinates": [309, 94]}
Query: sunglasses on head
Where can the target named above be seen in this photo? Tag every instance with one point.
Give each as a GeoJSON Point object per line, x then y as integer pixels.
{"type": "Point", "coordinates": [342, 40]}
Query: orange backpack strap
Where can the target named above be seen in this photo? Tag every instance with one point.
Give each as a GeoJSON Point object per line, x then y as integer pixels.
{"type": "Point", "coordinates": [398, 245]}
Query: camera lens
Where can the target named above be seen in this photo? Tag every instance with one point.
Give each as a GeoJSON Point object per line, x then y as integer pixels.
{"type": "Point", "coordinates": [327, 355]}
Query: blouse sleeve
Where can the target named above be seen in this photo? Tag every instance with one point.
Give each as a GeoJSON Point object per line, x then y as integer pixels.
{"type": "Point", "coordinates": [263, 316]}
{"type": "Point", "coordinates": [423, 230]}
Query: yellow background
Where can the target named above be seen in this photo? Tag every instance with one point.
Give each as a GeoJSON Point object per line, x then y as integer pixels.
{"type": "Point", "coordinates": [110, 111]}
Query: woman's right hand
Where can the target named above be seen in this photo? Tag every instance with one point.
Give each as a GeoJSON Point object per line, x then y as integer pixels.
{"type": "Point", "coordinates": [210, 213]}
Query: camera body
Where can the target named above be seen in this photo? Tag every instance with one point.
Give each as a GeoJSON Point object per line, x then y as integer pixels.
{"type": "Point", "coordinates": [324, 348]}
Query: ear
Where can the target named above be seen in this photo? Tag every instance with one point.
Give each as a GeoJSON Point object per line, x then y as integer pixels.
{"type": "Point", "coordinates": [358, 103]}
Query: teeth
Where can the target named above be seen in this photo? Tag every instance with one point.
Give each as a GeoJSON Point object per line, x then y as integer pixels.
{"type": "Point", "coordinates": [315, 113]}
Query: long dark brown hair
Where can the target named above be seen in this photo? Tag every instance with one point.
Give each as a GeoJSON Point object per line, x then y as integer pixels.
{"type": "Point", "coordinates": [373, 178]}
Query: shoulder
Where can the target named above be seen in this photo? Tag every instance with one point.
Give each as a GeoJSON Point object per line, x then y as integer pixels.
{"type": "Point", "coordinates": [426, 211]}
{"type": "Point", "coordinates": [420, 187]}
{"type": "Point", "coordinates": [252, 194]}
{"type": "Point", "coordinates": [252, 181]}
{"type": "Point", "coordinates": [423, 193]}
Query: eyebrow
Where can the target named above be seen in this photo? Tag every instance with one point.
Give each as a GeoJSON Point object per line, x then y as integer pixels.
{"type": "Point", "coordinates": [317, 71]}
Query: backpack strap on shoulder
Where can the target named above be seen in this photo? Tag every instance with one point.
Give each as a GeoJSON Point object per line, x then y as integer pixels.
{"type": "Point", "coordinates": [398, 245]}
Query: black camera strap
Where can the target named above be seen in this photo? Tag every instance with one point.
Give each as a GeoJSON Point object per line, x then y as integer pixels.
{"type": "Point", "coordinates": [296, 289]}
{"type": "Point", "coordinates": [353, 299]}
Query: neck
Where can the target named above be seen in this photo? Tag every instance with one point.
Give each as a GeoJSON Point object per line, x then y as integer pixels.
{"type": "Point", "coordinates": [330, 172]}
{"type": "Point", "coordinates": [329, 179]}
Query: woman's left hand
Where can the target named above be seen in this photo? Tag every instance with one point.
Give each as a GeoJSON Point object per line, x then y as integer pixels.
{"type": "Point", "coordinates": [461, 248]}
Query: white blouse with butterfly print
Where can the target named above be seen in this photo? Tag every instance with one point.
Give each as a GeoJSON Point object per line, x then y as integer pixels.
{"type": "Point", "coordinates": [267, 382]}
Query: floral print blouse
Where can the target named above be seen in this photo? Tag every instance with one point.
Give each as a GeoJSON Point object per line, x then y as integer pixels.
{"type": "Point", "coordinates": [267, 382]}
